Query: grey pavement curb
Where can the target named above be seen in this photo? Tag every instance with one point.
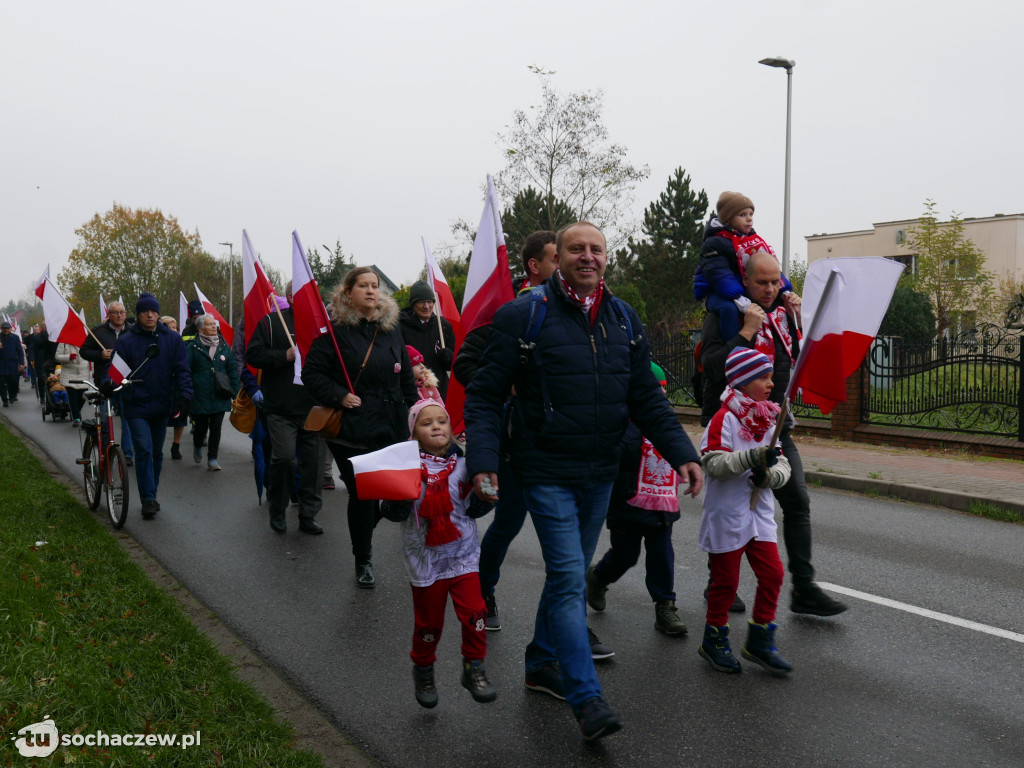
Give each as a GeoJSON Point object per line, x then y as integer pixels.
{"type": "Point", "coordinates": [918, 494]}
{"type": "Point", "coordinates": [313, 731]}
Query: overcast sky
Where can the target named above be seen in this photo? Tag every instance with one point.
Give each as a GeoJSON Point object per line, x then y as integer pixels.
{"type": "Point", "coordinates": [376, 123]}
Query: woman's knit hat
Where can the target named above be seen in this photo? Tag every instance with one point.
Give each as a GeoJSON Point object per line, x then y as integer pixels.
{"type": "Point", "coordinates": [731, 203]}
{"type": "Point", "coordinates": [147, 303]}
{"type": "Point", "coordinates": [414, 412]}
{"type": "Point", "coordinates": [414, 355]}
{"type": "Point", "coordinates": [744, 365]}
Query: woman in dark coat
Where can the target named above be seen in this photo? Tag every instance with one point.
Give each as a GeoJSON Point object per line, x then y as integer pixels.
{"type": "Point", "coordinates": [376, 406]}
{"type": "Point", "coordinates": [207, 354]}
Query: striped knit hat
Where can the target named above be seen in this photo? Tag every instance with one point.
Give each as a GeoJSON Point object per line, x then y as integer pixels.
{"type": "Point", "coordinates": [744, 365]}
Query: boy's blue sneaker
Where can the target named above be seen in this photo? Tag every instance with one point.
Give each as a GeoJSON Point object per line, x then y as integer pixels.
{"type": "Point", "coordinates": [760, 649]}
{"type": "Point", "coordinates": [715, 650]}
{"type": "Point", "coordinates": [597, 719]}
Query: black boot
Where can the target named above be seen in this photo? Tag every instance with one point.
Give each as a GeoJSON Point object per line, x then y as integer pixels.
{"type": "Point", "coordinates": [426, 691]}
{"type": "Point", "coordinates": [760, 649]}
{"type": "Point", "coordinates": [474, 680]}
{"type": "Point", "coordinates": [809, 599]}
{"type": "Point", "coordinates": [176, 451]}
{"type": "Point", "coordinates": [364, 575]}
{"type": "Point", "coordinates": [715, 650]}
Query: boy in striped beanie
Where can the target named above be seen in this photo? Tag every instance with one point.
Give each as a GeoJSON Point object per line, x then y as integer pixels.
{"type": "Point", "coordinates": [739, 516]}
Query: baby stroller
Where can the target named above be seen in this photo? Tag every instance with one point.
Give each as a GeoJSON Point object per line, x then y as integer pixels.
{"type": "Point", "coordinates": [55, 397]}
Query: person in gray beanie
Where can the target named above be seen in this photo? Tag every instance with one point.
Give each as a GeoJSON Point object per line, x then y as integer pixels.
{"type": "Point", "coordinates": [422, 331]}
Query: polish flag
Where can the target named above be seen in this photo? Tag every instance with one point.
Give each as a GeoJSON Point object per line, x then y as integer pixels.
{"type": "Point", "coordinates": [103, 309]}
{"type": "Point", "coordinates": [308, 311]}
{"type": "Point", "coordinates": [445, 301]}
{"type": "Point", "coordinates": [225, 329]}
{"type": "Point", "coordinates": [392, 473]}
{"type": "Point", "coordinates": [488, 286]}
{"type": "Point", "coordinates": [62, 322]}
{"type": "Point", "coordinates": [845, 300]}
{"type": "Point", "coordinates": [489, 282]}
{"type": "Point", "coordinates": [40, 284]}
{"type": "Point", "coordinates": [256, 287]}
{"type": "Point", "coordinates": [119, 369]}
{"type": "Point", "coordinates": [182, 311]}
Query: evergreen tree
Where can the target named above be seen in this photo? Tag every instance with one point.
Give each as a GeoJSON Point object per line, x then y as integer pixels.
{"type": "Point", "coordinates": [531, 212]}
{"type": "Point", "coordinates": [909, 315]}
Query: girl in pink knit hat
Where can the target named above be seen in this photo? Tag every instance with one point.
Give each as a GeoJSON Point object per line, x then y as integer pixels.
{"type": "Point", "coordinates": [426, 380]}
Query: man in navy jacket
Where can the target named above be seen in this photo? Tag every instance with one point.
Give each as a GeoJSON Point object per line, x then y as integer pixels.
{"type": "Point", "coordinates": [576, 392]}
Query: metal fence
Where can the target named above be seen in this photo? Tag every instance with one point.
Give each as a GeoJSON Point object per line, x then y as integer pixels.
{"type": "Point", "coordinates": [970, 383]}
{"type": "Point", "coordinates": [967, 383]}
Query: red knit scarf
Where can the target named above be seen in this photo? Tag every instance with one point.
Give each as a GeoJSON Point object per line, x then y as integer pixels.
{"type": "Point", "coordinates": [746, 246]}
{"type": "Point", "coordinates": [756, 418]}
{"type": "Point", "coordinates": [436, 507]}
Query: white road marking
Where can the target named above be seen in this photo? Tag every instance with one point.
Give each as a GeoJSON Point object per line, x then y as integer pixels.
{"type": "Point", "coordinates": [1004, 633]}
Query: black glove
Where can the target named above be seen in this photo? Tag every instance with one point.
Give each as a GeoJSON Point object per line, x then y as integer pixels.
{"type": "Point", "coordinates": [183, 406]}
{"type": "Point", "coordinates": [446, 356]}
{"type": "Point", "coordinates": [107, 388]}
{"type": "Point", "coordinates": [759, 478]}
{"type": "Point", "coordinates": [395, 511]}
{"type": "Point", "coordinates": [478, 507]}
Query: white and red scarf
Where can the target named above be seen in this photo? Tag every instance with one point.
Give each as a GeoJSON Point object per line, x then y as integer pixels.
{"type": "Point", "coordinates": [755, 417]}
{"type": "Point", "coordinates": [589, 304]}
{"type": "Point", "coordinates": [436, 507]}
{"type": "Point", "coordinates": [746, 246]}
{"type": "Point", "coordinates": [778, 321]}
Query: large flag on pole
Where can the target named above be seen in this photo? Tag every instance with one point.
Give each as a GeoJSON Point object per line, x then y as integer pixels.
{"type": "Point", "coordinates": [308, 310]}
{"type": "Point", "coordinates": [256, 288]}
{"type": "Point", "coordinates": [42, 282]}
{"type": "Point", "coordinates": [225, 329]}
{"type": "Point", "coordinates": [446, 307]}
{"type": "Point", "coordinates": [392, 473]}
{"type": "Point", "coordinates": [63, 324]}
{"type": "Point", "coordinates": [103, 309]}
{"type": "Point", "coordinates": [488, 286]}
{"type": "Point", "coordinates": [489, 282]}
{"type": "Point", "coordinates": [844, 302]}
{"type": "Point", "coordinates": [182, 311]}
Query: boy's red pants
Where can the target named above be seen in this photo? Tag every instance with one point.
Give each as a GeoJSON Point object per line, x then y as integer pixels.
{"type": "Point", "coordinates": [763, 557]}
{"type": "Point", "coordinates": [429, 604]}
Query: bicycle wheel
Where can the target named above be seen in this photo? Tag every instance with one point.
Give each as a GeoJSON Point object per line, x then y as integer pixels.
{"type": "Point", "coordinates": [117, 487]}
{"type": "Point", "coordinates": [91, 471]}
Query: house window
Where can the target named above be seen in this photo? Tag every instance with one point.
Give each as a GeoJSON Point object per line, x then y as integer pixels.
{"type": "Point", "coordinates": [910, 260]}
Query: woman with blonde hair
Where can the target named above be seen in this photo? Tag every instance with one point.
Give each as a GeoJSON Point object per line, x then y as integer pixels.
{"type": "Point", "coordinates": [373, 385]}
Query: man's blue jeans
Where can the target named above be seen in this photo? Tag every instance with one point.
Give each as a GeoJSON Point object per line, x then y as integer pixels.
{"type": "Point", "coordinates": [568, 522]}
{"type": "Point", "coordinates": [148, 435]}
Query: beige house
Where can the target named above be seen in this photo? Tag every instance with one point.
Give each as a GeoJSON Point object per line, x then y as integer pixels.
{"type": "Point", "coordinates": [1000, 237]}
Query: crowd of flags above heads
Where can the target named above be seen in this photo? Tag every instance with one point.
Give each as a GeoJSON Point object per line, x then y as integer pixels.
{"type": "Point", "coordinates": [844, 303]}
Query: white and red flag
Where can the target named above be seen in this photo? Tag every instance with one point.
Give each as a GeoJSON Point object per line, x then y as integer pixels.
{"type": "Point", "coordinates": [392, 473]}
{"type": "Point", "coordinates": [844, 302]}
{"type": "Point", "coordinates": [119, 369]}
{"type": "Point", "coordinates": [103, 309]}
{"type": "Point", "coordinates": [225, 329]}
{"type": "Point", "coordinates": [41, 282]}
{"type": "Point", "coordinates": [445, 301]}
{"type": "Point", "coordinates": [488, 286]}
{"type": "Point", "coordinates": [256, 288]}
{"type": "Point", "coordinates": [63, 324]}
{"type": "Point", "coordinates": [182, 311]}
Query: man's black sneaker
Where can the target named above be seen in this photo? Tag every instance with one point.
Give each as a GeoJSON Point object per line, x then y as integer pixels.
{"type": "Point", "coordinates": [596, 591]}
{"type": "Point", "coordinates": [598, 650]}
{"type": "Point", "coordinates": [149, 509]}
{"type": "Point", "coordinates": [426, 692]}
{"type": "Point", "coordinates": [812, 601]}
{"type": "Point", "coordinates": [547, 679]}
{"type": "Point", "coordinates": [474, 680]}
{"type": "Point", "coordinates": [493, 622]}
{"type": "Point", "coordinates": [597, 719]}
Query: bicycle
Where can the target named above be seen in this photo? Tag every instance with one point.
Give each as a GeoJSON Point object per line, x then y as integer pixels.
{"type": "Point", "coordinates": [104, 465]}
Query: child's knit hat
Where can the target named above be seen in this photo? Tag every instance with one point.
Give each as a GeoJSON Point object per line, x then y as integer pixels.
{"type": "Point", "coordinates": [731, 203]}
{"type": "Point", "coordinates": [414, 355]}
{"type": "Point", "coordinates": [414, 412]}
{"type": "Point", "coordinates": [659, 374]}
{"type": "Point", "coordinates": [744, 365]}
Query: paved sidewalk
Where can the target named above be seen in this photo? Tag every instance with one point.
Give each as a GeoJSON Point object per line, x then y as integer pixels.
{"type": "Point", "coordinates": [947, 479]}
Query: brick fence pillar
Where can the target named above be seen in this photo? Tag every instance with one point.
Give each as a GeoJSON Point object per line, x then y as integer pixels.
{"type": "Point", "coordinates": [846, 416]}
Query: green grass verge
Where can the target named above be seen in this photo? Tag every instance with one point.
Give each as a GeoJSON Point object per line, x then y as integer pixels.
{"type": "Point", "coordinates": [88, 640]}
{"type": "Point", "coordinates": [994, 511]}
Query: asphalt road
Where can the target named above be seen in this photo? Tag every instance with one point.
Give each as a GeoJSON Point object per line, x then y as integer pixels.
{"type": "Point", "coordinates": [878, 685]}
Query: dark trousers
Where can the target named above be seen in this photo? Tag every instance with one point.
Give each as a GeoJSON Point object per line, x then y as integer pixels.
{"type": "Point", "coordinates": [9, 387]}
{"type": "Point", "coordinates": [288, 436]}
{"type": "Point", "coordinates": [796, 516]}
{"type": "Point", "coordinates": [509, 516]}
{"type": "Point", "coordinates": [625, 552]}
{"type": "Point", "coordinates": [362, 514]}
{"type": "Point", "coordinates": [202, 423]}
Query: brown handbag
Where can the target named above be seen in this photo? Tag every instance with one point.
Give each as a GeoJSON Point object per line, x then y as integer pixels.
{"type": "Point", "coordinates": [323, 419]}
{"type": "Point", "coordinates": [243, 413]}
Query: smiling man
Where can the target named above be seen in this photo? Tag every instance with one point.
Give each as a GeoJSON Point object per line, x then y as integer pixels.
{"type": "Point", "coordinates": [582, 373]}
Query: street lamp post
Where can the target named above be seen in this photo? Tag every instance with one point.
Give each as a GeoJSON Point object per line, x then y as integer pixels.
{"type": "Point", "coordinates": [786, 64]}
{"type": "Point", "coordinates": [231, 278]}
